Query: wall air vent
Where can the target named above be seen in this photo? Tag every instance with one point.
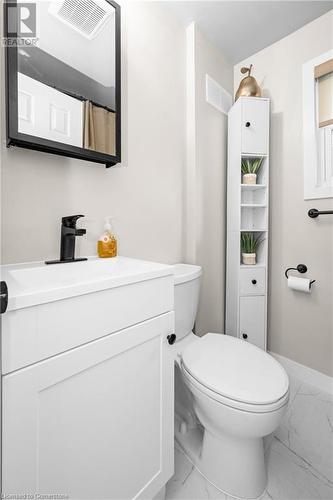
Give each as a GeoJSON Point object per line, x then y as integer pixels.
{"type": "Point", "coordinates": [217, 96]}
{"type": "Point", "coordinates": [87, 17]}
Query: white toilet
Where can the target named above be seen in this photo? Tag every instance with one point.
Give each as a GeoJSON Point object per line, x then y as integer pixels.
{"type": "Point", "coordinates": [229, 395]}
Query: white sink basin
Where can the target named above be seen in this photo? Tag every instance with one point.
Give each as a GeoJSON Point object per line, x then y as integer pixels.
{"type": "Point", "coordinates": [37, 283]}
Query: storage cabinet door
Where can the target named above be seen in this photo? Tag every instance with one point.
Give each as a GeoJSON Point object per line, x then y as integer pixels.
{"type": "Point", "coordinates": [95, 422]}
{"type": "Point", "coordinates": [252, 324]}
{"type": "Point", "coordinates": [252, 280]}
{"type": "Point", "coordinates": [255, 126]}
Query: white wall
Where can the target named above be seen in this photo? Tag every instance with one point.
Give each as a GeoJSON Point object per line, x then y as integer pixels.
{"type": "Point", "coordinates": [145, 194]}
{"type": "Point", "coordinates": [300, 325]}
{"type": "Point", "coordinates": [206, 177]}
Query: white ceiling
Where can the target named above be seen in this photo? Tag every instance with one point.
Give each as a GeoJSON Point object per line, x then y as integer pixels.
{"type": "Point", "coordinates": [94, 58]}
{"type": "Point", "coordinates": [242, 28]}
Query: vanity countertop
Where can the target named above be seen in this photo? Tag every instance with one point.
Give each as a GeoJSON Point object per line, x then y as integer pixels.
{"type": "Point", "coordinates": [35, 283]}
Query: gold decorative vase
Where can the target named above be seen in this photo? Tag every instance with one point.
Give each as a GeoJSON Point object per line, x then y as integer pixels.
{"type": "Point", "coordinates": [248, 87]}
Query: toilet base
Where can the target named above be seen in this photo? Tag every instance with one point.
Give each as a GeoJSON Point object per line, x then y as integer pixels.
{"type": "Point", "coordinates": [235, 467]}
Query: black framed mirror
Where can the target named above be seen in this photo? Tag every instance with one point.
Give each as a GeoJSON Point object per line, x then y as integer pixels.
{"type": "Point", "coordinates": [63, 83]}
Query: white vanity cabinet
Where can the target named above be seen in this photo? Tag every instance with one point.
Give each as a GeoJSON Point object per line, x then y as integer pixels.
{"type": "Point", "coordinates": [96, 420]}
{"type": "Point", "coordinates": [247, 212]}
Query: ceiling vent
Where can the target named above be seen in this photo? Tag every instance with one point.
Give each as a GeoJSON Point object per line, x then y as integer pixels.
{"type": "Point", "coordinates": [87, 17]}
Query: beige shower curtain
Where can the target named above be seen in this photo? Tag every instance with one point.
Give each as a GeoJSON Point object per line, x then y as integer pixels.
{"type": "Point", "coordinates": [99, 129]}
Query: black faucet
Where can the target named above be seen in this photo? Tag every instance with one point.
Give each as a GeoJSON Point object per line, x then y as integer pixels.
{"type": "Point", "coordinates": [69, 232]}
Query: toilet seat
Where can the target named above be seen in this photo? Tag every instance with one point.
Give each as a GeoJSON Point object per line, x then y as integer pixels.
{"type": "Point", "coordinates": [237, 405]}
{"type": "Point", "coordinates": [235, 373]}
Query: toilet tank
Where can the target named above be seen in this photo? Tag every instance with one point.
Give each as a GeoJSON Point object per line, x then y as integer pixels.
{"type": "Point", "coordinates": [187, 287]}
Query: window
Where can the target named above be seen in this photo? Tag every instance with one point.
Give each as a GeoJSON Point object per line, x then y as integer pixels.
{"type": "Point", "coordinates": [318, 126]}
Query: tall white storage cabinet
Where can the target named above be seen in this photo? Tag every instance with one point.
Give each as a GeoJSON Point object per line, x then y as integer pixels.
{"type": "Point", "coordinates": [247, 211]}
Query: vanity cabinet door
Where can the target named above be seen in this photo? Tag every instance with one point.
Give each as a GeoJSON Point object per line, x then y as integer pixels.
{"type": "Point", "coordinates": [255, 126]}
{"type": "Point", "coordinates": [252, 324]}
{"type": "Point", "coordinates": [95, 422]}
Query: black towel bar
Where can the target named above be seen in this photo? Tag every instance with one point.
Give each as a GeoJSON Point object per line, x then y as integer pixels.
{"type": "Point", "coordinates": [313, 212]}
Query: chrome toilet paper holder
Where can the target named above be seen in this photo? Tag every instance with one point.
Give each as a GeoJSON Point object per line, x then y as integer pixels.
{"type": "Point", "coordinates": [301, 268]}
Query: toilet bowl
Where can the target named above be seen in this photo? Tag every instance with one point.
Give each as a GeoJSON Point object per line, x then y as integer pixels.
{"type": "Point", "coordinates": [229, 395]}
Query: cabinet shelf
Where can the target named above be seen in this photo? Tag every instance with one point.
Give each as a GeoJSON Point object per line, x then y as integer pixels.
{"type": "Point", "coordinates": [254, 155]}
{"type": "Point", "coordinates": [251, 230]}
{"type": "Point", "coordinates": [253, 187]}
{"type": "Point", "coordinates": [247, 266]}
{"type": "Point", "coordinates": [253, 205]}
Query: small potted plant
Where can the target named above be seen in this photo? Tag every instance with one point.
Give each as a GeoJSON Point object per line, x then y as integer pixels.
{"type": "Point", "coordinates": [249, 245]}
{"type": "Point", "coordinates": [250, 169]}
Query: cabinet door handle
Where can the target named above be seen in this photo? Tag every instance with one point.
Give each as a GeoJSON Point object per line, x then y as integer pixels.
{"type": "Point", "coordinates": [254, 282]}
{"type": "Point", "coordinates": [171, 338]}
{"type": "Point", "coordinates": [244, 336]}
{"type": "Point", "coordinates": [247, 124]}
{"type": "Point", "coordinates": [3, 297]}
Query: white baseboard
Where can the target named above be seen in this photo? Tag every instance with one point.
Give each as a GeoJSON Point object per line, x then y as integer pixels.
{"type": "Point", "coordinates": [305, 374]}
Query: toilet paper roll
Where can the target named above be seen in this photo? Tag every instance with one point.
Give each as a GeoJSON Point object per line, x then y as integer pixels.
{"type": "Point", "coordinates": [299, 284]}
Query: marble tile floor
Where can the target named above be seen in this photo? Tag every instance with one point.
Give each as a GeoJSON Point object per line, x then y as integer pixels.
{"type": "Point", "coordinates": [289, 478]}
{"type": "Point", "coordinates": [299, 456]}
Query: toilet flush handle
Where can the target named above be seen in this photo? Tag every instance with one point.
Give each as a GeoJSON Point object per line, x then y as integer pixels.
{"type": "Point", "coordinates": [171, 338]}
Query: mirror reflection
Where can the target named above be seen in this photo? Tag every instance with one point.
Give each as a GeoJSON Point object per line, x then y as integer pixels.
{"type": "Point", "coordinates": [66, 82]}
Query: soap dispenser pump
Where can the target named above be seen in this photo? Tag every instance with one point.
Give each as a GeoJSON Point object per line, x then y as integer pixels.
{"type": "Point", "coordinates": [107, 243]}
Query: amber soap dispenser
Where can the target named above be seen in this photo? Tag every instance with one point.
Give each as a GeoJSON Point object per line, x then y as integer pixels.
{"type": "Point", "coordinates": [107, 243]}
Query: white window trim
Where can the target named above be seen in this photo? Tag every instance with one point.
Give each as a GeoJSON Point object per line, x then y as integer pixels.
{"type": "Point", "coordinates": [312, 188]}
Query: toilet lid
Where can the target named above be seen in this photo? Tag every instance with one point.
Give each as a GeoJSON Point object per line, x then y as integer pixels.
{"type": "Point", "coordinates": [235, 369]}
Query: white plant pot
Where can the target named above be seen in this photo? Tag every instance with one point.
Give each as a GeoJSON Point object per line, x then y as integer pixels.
{"type": "Point", "coordinates": [249, 178]}
{"type": "Point", "coordinates": [249, 259]}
